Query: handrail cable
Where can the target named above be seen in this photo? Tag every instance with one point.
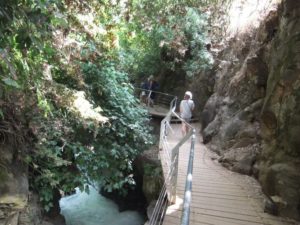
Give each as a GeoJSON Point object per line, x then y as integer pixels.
{"type": "Point", "coordinates": [142, 89]}
{"type": "Point", "coordinates": [160, 97]}
{"type": "Point", "coordinates": [159, 203]}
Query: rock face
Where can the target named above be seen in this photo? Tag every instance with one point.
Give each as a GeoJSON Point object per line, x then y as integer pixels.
{"type": "Point", "coordinates": [148, 177]}
{"type": "Point", "coordinates": [279, 164]}
{"type": "Point", "coordinates": [18, 205]}
{"type": "Point", "coordinates": [253, 118]}
{"type": "Point", "coordinates": [150, 169]}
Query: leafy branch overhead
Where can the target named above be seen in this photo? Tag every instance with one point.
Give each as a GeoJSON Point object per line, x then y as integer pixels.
{"type": "Point", "coordinates": [66, 68]}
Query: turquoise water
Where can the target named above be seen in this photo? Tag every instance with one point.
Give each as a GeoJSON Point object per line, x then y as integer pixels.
{"type": "Point", "coordinates": [93, 209]}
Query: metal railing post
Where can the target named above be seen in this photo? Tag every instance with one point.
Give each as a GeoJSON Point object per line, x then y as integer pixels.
{"type": "Point", "coordinates": [149, 99]}
{"type": "Point", "coordinates": [173, 104]}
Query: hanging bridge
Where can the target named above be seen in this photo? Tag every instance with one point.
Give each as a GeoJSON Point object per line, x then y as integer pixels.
{"type": "Point", "coordinates": [198, 190]}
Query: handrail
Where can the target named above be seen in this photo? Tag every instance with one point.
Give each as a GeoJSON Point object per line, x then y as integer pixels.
{"type": "Point", "coordinates": [169, 188]}
{"type": "Point", "coordinates": [185, 219]}
{"type": "Point", "coordinates": [142, 89]}
{"type": "Point", "coordinates": [182, 120]}
{"type": "Point", "coordinates": [162, 98]}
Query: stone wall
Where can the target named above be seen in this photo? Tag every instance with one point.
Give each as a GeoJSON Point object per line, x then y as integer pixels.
{"type": "Point", "coordinates": [252, 119]}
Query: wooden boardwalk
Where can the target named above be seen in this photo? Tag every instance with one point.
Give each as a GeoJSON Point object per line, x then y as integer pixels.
{"type": "Point", "coordinates": [219, 197]}
{"type": "Point", "coordinates": [158, 111]}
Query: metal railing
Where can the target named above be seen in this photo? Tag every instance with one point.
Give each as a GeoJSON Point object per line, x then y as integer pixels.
{"type": "Point", "coordinates": [170, 156]}
{"type": "Point", "coordinates": [185, 218]}
{"type": "Point", "coordinates": [150, 97]}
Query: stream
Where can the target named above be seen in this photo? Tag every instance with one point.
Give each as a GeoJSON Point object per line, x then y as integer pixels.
{"type": "Point", "coordinates": [93, 209]}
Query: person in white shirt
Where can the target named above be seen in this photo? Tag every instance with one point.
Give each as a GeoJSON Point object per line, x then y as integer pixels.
{"type": "Point", "coordinates": [187, 106]}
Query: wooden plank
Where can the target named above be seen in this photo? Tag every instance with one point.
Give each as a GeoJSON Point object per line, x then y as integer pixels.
{"type": "Point", "coordinates": [244, 210]}
{"type": "Point", "coordinates": [205, 219]}
{"type": "Point", "coordinates": [213, 190]}
{"type": "Point", "coordinates": [235, 215]}
{"type": "Point", "coordinates": [218, 218]}
{"type": "Point", "coordinates": [238, 210]}
{"type": "Point", "coordinates": [218, 198]}
{"type": "Point", "coordinates": [217, 202]}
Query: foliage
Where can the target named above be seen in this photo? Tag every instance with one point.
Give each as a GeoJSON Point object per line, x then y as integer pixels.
{"type": "Point", "coordinates": [153, 170]}
{"type": "Point", "coordinates": [163, 36]}
{"type": "Point", "coordinates": [52, 163]}
{"type": "Point", "coordinates": [118, 143]}
{"type": "Point", "coordinates": [195, 29]}
{"type": "Point", "coordinates": [92, 47]}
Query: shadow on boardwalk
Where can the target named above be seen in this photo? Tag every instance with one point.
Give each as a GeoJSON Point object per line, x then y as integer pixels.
{"type": "Point", "coordinates": [219, 196]}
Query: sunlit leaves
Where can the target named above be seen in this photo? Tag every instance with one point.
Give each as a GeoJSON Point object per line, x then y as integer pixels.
{"type": "Point", "coordinates": [97, 49]}
{"type": "Point", "coordinates": [163, 36]}
{"type": "Point", "coordinates": [59, 20]}
{"type": "Point", "coordinates": [128, 133]}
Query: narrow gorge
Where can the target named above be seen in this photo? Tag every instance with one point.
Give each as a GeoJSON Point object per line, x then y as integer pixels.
{"type": "Point", "coordinates": [71, 116]}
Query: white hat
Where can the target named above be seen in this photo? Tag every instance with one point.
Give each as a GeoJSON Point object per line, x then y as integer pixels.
{"type": "Point", "coordinates": [188, 93]}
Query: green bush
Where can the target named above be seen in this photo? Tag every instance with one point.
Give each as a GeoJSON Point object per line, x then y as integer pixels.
{"type": "Point", "coordinates": [98, 49]}
{"type": "Point", "coordinates": [118, 143]}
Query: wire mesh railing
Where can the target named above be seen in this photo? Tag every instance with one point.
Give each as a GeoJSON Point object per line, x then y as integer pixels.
{"type": "Point", "coordinates": [169, 157]}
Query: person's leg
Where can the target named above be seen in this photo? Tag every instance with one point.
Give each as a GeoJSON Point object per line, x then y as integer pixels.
{"type": "Point", "coordinates": [141, 97]}
{"type": "Point", "coordinates": [151, 102]}
{"type": "Point", "coordinates": [187, 129]}
{"type": "Point", "coordinates": [184, 128]}
{"type": "Point", "coordinates": [145, 99]}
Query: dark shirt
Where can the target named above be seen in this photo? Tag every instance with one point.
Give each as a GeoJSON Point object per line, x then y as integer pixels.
{"type": "Point", "coordinates": [150, 86]}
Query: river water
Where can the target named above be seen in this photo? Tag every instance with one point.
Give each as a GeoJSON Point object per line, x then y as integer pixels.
{"type": "Point", "coordinates": [93, 209]}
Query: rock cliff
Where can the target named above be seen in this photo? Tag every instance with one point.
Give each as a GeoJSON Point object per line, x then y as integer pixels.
{"type": "Point", "coordinates": [18, 206]}
{"type": "Point", "coordinates": [252, 118]}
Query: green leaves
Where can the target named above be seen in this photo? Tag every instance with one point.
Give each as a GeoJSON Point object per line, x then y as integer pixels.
{"type": "Point", "coordinates": [165, 36]}
{"type": "Point", "coordinates": [116, 146]}
{"type": "Point", "coordinates": [96, 49]}
{"type": "Point", "coordinates": [10, 82]}
{"type": "Point", "coordinates": [52, 162]}
{"type": "Point", "coordinates": [58, 20]}
{"type": "Point", "coordinates": [44, 42]}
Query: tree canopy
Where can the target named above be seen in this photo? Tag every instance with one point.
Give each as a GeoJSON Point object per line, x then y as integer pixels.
{"type": "Point", "coordinates": [66, 72]}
